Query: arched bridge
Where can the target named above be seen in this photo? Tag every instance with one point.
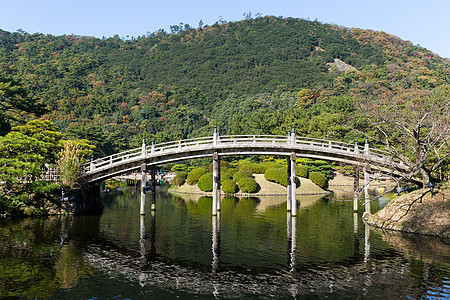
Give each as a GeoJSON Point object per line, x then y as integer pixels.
{"type": "Point", "coordinates": [152, 155]}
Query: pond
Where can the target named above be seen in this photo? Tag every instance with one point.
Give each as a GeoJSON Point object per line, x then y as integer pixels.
{"type": "Point", "coordinates": [252, 250]}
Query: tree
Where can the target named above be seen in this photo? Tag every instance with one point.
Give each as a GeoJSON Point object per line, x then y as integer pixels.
{"type": "Point", "coordinates": [13, 100]}
{"type": "Point", "coordinates": [414, 126]}
{"type": "Point", "coordinates": [305, 97]}
{"type": "Point", "coordinates": [46, 132]}
{"type": "Point", "coordinates": [20, 156]}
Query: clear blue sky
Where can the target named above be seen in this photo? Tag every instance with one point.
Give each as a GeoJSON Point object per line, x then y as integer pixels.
{"type": "Point", "coordinates": [426, 23]}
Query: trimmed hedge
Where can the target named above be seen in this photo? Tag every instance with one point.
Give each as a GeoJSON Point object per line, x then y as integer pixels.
{"type": "Point", "coordinates": [205, 183]}
{"type": "Point", "coordinates": [278, 175]}
{"type": "Point", "coordinates": [179, 168]}
{"type": "Point", "coordinates": [180, 178]}
{"type": "Point", "coordinates": [229, 187]}
{"type": "Point", "coordinates": [230, 172]}
{"type": "Point", "coordinates": [302, 171]}
{"type": "Point", "coordinates": [224, 165]}
{"type": "Point", "coordinates": [248, 185]}
{"type": "Point", "coordinates": [195, 175]}
{"type": "Point", "coordinates": [225, 176]}
{"type": "Point", "coordinates": [241, 174]}
{"type": "Point", "coordinates": [271, 164]}
{"type": "Point", "coordinates": [319, 179]}
{"type": "Point", "coordinates": [252, 167]}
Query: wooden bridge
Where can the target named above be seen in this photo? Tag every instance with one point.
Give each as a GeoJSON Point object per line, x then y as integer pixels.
{"type": "Point", "coordinates": [216, 146]}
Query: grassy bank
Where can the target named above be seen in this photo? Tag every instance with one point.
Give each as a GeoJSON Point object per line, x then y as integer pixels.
{"type": "Point", "coordinates": [417, 212]}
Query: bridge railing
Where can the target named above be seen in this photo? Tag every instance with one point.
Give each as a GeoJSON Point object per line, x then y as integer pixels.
{"type": "Point", "coordinates": [177, 145]}
{"type": "Point", "coordinates": [205, 142]}
{"type": "Point", "coordinates": [252, 139]}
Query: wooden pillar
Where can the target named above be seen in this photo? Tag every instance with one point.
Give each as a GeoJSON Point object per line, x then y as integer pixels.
{"type": "Point", "coordinates": [216, 184]}
{"type": "Point", "coordinates": [366, 190]}
{"type": "Point", "coordinates": [288, 188]}
{"type": "Point", "coordinates": [366, 180]}
{"type": "Point", "coordinates": [143, 186]}
{"type": "Point", "coordinates": [153, 200]}
{"type": "Point", "coordinates": [355, 188]}
{"type": "Point", "coordinates": [293, 184]}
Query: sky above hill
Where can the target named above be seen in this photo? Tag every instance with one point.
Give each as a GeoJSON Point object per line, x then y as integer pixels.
{"type": "Point", "coordinates": [422, 22]}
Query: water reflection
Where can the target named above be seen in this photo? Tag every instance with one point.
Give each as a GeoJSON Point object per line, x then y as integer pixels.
{"type": "Point", "coordinates": [242, 253]}
{"type": "Point", "coordinates": [215, 242]}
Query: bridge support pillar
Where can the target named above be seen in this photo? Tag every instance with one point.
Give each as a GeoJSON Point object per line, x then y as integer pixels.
{"type": "Point", "coordinates": [366, 182]}
{"type": "Point", "coordinates": [288, 188]}
{"type": "Point", "coordinates": [153, 199]}
{"type": "Point", "coordinates": [216, 184]}
{"type": "Point", "coordinates": [143, 186]}
{"type": "Point", "coordinates": [366, 191]}
{"type": "Point", "coordinates": [293, 184]}
{"type": "Point", "coordinates": [355, 188]}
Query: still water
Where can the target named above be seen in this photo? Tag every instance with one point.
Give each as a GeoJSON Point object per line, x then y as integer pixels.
{"type": "Point", "coordinates": [253, 250]}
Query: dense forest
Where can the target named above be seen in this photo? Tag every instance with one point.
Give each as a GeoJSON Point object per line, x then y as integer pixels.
{"type": "Point", "coordinates": [66, 99]}
{"type": "Point", "coordinates": [255, 76]}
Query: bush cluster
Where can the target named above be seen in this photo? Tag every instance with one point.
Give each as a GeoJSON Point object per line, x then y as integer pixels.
{"type": "Point", "coordinates": [319, 179]}
{"type": "Point", "coordinates": [178, 167]}
{"type": "Point", "coordinates": [302, 171]}
{"type": "Point", "coordinates": [248, 185]}
{"type": "Point", "coordinates": [180, 178]}
{"type": "Point", "coordinates": [224, 165]}
{"type": "Point", "coordinates": [241, 174]}
{"type": "Point", "coordinates": [195, 175]}
{"type": "Point", "coordinates": [271, 164]}
{"type": "Point", "coordinates": [278, 175]}
{"type": "Point", "coordinates": [229, 187]}
{"type": "Point", "coordinates": [252, 167]}
{"type": "Point", "coordinates": [205, 183]}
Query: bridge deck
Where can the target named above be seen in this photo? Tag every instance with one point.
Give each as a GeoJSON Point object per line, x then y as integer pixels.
{"type": "Point", "coordinates": [123, 162]}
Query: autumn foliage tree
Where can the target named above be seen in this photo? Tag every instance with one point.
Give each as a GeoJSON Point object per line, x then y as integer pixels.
{"type": "Point", "coordinates": [414, 126]}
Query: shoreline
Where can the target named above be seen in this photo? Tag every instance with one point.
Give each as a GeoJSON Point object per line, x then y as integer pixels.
{"type": "Point", "coordinates": [417, 212]}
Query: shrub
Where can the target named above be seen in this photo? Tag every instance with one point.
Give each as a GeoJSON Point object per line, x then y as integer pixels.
{"type": "Point", "coordinates": [252, 167]}
{"type": "Point", "coordinates": [241, 174]}
{"type": "Point", "coordinates": [224, 165]}
{"type": "Point", "coordinates": [205, 183]}
{"type": "Point", "coordinates": [302, 171]}
{"type": "Point", "coordinates": [178, 168]}
{"type": "Point", "coordinates": [278, 175]}
{"type": "Point", "coordinates": [319, 179]}
{"type": "Point", "coordinates": [229, 186]}
{"type": "Point", "coordinates": [248, 185]}
{"type": "Point", "coordinates": [230, 172]}
{"type": "Point", "coordinates": [225, 176]}
{"type": "Point", "coordinates": [271, 164]}
{"type": "Point", "coordinates": [180, 178]}
{"type": "Point", "coordinates": [195, 175]}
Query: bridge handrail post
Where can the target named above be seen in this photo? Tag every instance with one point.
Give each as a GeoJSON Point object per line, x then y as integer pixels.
{"type": "Point", "coordinates": [153, 147]}
{"type": "Point", "coordinates": [144, 148]}
{"type": "Point", "coordinates": [215, 136]}
{"type": "Point", "coordinates": [366, 148]}
{"type": "Point", "coordinates": [293, 136]}
{"type": "Point", "coordinates": [356, 148]}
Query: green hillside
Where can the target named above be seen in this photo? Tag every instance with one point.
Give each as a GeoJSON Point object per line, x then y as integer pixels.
{"type": "Point", "coordinates": [258, 76]}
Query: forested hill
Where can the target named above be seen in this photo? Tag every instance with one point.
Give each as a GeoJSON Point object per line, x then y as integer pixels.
{"type": "Point", "coordinates": [258, 76]}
